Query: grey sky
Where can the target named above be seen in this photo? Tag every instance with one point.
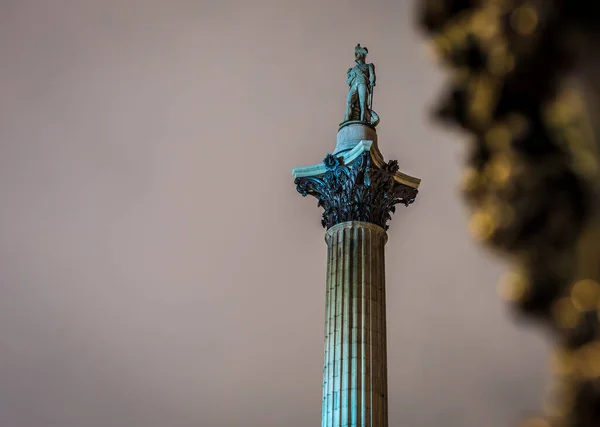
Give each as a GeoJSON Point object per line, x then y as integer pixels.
{"type": "Point", "coordinates": [158, 268]}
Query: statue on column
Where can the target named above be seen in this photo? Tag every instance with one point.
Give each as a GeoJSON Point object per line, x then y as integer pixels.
{"type": "Point", "coordinates": [361, 79]}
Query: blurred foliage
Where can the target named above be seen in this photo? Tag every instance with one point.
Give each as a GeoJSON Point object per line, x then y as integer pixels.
{"type": "Point", "coordinates": [532, 178]}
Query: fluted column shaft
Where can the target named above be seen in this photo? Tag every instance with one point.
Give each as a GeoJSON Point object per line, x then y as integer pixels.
{"type": "Point", "coordinates": [355, 359]}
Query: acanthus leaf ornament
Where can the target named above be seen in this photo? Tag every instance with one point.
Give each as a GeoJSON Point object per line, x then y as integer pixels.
{"type": "Point", "coordinates": [357, 191]}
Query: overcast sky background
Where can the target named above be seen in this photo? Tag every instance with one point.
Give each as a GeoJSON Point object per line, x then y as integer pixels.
{"type": "Point", "coordinates": [158, 268]}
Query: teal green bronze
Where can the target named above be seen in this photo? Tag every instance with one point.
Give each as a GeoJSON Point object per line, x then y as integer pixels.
{"type": "Point", "coordinates": [361, 79]}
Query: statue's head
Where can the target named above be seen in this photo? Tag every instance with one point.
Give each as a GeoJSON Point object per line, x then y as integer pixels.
{"type": "Point", "coordinates": [360, 52]}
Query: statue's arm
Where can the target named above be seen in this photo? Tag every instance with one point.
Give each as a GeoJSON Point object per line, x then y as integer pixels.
{"type": "Point", "coordinates": [349, 76]}
{"type": "Point", "coordinates": [372, 77]}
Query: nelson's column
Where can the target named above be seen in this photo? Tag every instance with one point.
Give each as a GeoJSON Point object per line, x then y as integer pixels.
{"type": "Point", "coordinates": [358, 191]}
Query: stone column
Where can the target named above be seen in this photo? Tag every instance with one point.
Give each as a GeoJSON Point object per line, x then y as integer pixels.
{"type": "Point", "coordinates": [355, 365]}
{"type": "Point", "coordinates": [358, 191]}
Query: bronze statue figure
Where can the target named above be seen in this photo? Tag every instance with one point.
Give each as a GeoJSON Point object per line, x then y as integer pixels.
{"type": "Point", "coordinates": [361, 79]}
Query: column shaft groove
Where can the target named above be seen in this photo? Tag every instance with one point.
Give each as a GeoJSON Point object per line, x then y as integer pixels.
{"type": "Point", "coordinates": [355, 362]}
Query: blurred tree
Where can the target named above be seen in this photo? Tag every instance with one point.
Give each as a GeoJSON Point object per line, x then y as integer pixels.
{"type": "Point", "coordinates": [525, 85]}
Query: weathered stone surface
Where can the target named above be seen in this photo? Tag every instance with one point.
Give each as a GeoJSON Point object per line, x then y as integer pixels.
{"type": "Point", "coordinates": [349, 147]}
{"type": "Point", "coordinates": [355, 360]}
{"type": "Point", "coordinates": [351, 134]}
